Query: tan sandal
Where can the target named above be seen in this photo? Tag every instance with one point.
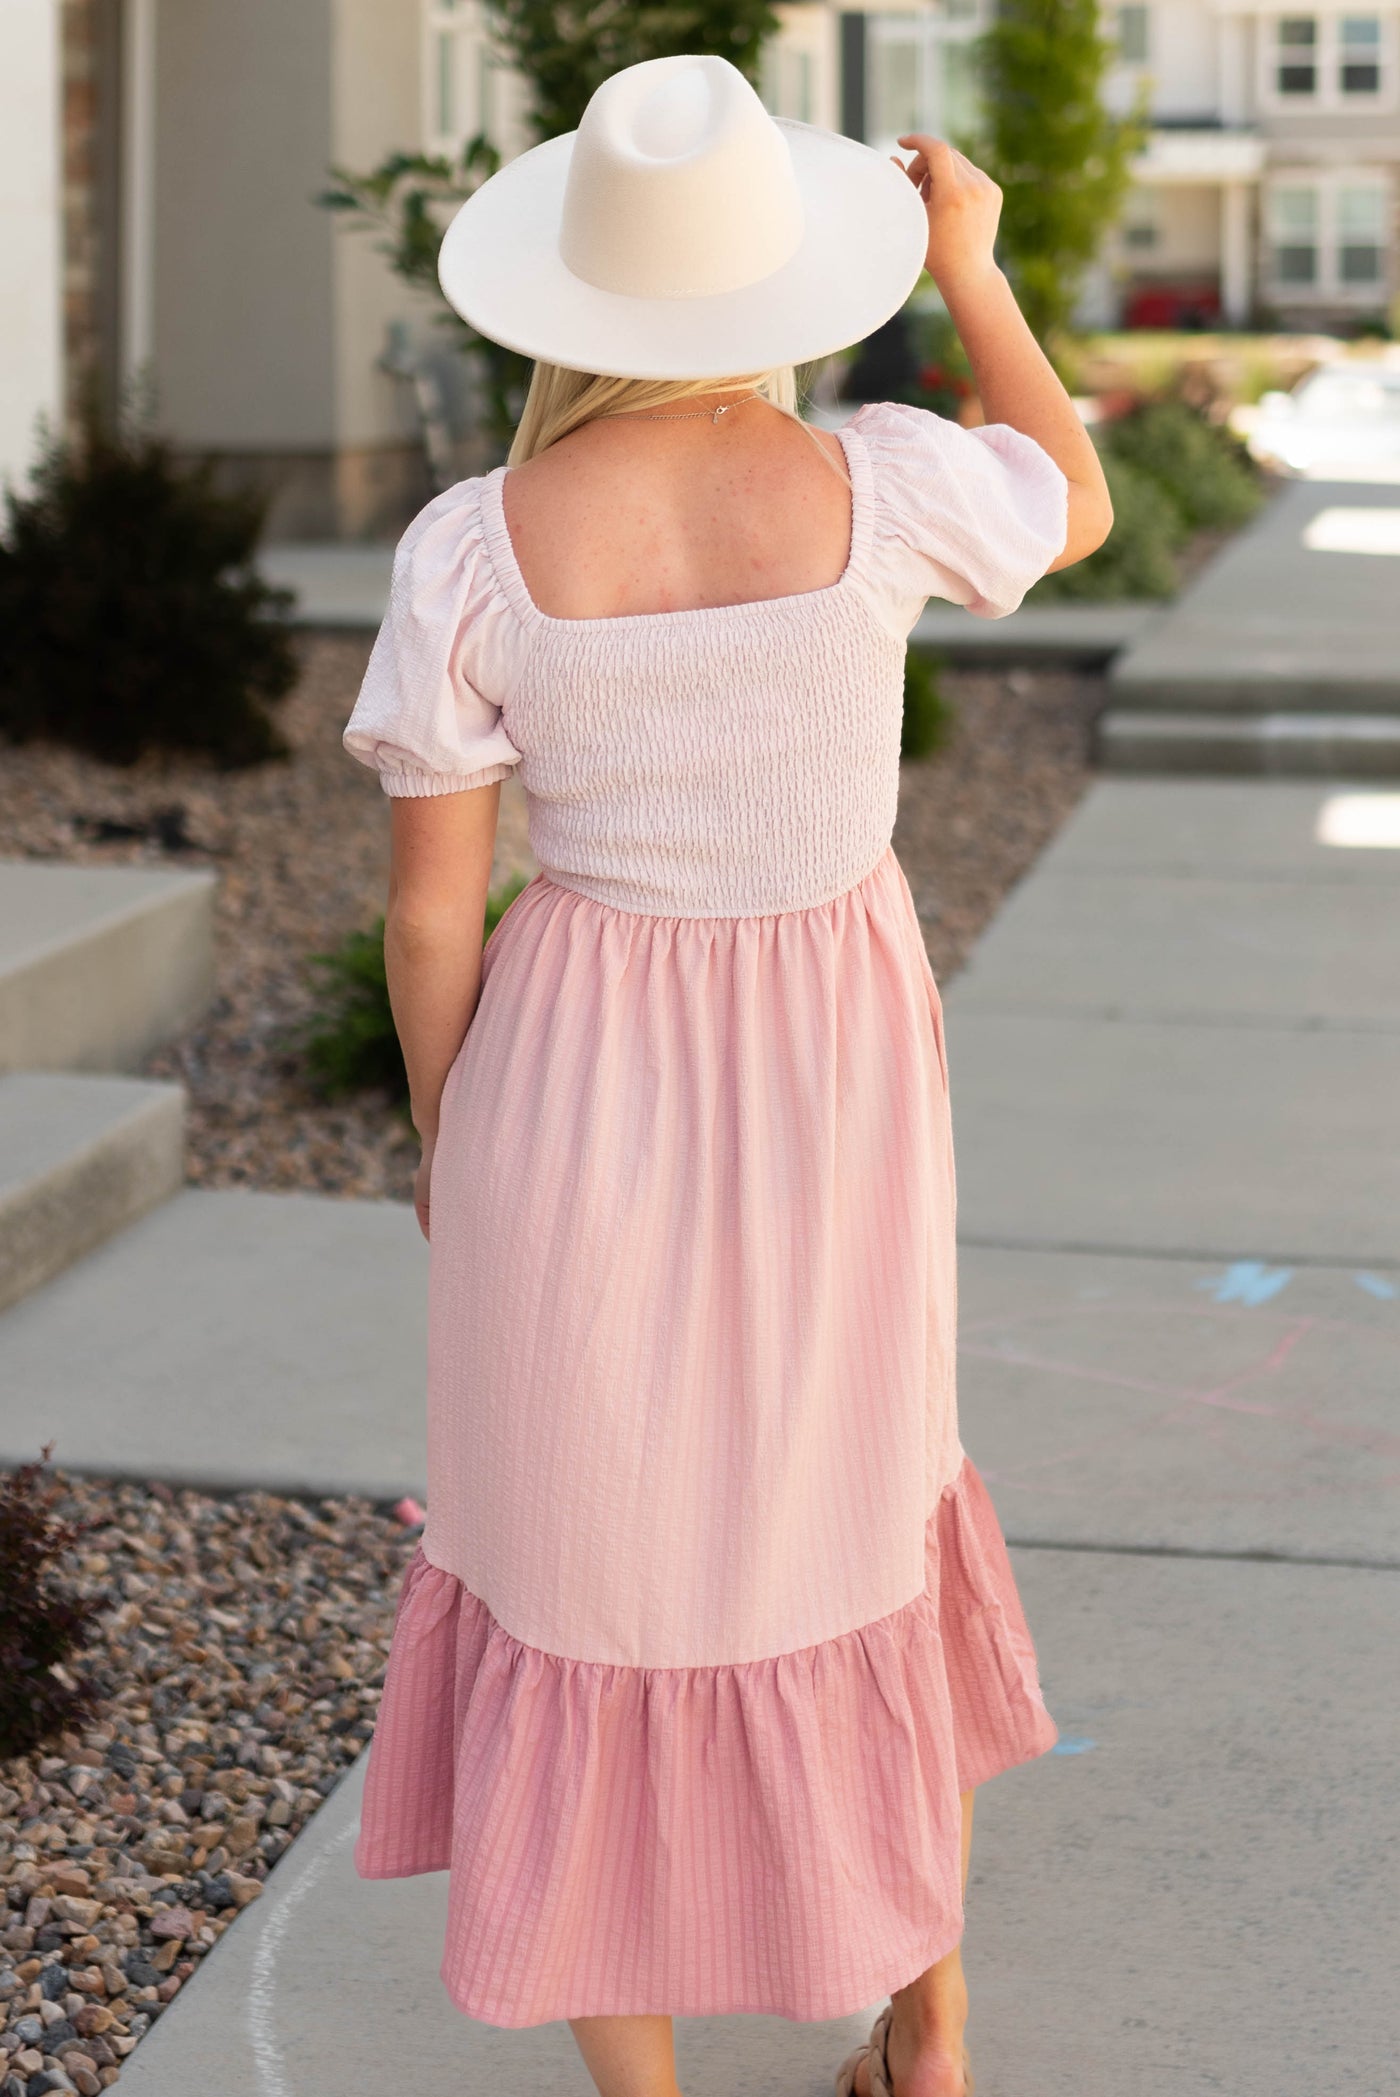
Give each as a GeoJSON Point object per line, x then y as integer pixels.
{"type": "Point", "coordinates": [875, 2053]}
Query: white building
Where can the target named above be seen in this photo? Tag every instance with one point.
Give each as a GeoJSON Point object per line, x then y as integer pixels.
{"type": "Point", "coordinates": [1269, 186]}
{"type": "Point", "coordinates": [1272, 170]}
{"type": "Point", "coordinates": [159, 161]}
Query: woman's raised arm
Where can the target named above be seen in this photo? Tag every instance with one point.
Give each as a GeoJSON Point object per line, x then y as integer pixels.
{"type": "Point", "coordinates": [1015, 380]}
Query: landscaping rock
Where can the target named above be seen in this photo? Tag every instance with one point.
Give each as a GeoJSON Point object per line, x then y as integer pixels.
{"type": "Point", "coordinates": [240, 1654]}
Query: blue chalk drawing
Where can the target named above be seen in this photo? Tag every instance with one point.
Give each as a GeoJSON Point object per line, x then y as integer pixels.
{"type": "Point", "coordinates": [1073, 1746]}
{"type": "Point", "coordinates": [1247, 1281]}
{"type": "Point", "coordinates": [1376, 1285]}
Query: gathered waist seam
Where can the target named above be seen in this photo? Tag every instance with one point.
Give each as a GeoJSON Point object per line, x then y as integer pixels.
{"type": "Point", "coordinates": [557, 880]}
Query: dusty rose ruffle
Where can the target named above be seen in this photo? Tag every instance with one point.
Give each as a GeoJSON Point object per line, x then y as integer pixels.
{"type": "Point", "coordinates": [780, 1837]}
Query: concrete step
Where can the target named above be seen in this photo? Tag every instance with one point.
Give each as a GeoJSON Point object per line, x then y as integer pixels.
{"type": "Point", "coordinates": [1060, 636]}
{"type": "Point", "coordinates": [339, 588]}
{"type": "Point", "coordinates": [80, 1157]}
{"type": "Point", "coordinates": [98, 965]}
{"type": "Point", "coordinates": [1295, 615]}
{"type": "Point", "coordinates": [232, 1339]}
{"type": "Point", "coordinates": [1281, 745]}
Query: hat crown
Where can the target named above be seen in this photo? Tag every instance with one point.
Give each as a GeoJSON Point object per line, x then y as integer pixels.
{"type": "Point", "coordinates": [680, 184]}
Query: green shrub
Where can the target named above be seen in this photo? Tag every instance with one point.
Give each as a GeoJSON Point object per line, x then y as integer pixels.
{"type": "Point", "coordinates": [928, 714]}
{"type": "Point", "coordinates": [1137, 560]}
{"type": "Point", "coordinates": [1204, 468]}
{"type": "Point", "coordinates": [131, 616]}
{"type": "Point", "coordinates": [43, 1626]}
{"type": "Point", "coordinates": [351, 1044]}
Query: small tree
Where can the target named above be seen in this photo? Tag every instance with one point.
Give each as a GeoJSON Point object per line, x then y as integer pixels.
{"type": "Point", "coordinates": [566, 51]}
{"type": "Point", "coordinates": [408, 200]}
{"type": "Point", "coordinates": [1062, 158]}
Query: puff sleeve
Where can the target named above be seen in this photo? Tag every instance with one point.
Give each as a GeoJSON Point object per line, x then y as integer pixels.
{"type": "Point", "coordinates": [428, 714]}
{"type": "Point", "coordinates": [974, 516]}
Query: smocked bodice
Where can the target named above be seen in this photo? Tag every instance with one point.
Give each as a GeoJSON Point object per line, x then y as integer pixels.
{"type": "Point", "coordinates": [728, 761]}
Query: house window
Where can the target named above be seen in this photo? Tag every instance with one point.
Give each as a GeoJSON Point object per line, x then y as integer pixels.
{"type": "Point", "coordinates": [1359, 64]}
{"type": "Point", "coordinates": [1361, 235]}
{"type": "Point", "coordinates": [1134, 35]}
{"type": "Point", "coordinates": [1329, 237]}
{"type": "Point", "coordinates": [459, 82]}
{"type": "Point", "coordinates": [1141, 222]}
{"type": "Point", "coordinates": [786, 81]}
{"type": "Point", "coordinates": [1294, 215]}
{"type": "Point", "coordinates": [1297, 55]}
{"type": "Point", "coordinates": [921, 72]}
{"type": "Point", "coordinates": [1329, 61]}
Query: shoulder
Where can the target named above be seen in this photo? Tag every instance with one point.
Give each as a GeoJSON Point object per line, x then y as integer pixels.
{"type": "Point", "coordinates": [902, 440]}
{"type": "Point", "coordinates": [975, 515]}
{"type": "Point", "coordinates": [451, 526]}
{"type": "Point", "coordinates": [450, 568]}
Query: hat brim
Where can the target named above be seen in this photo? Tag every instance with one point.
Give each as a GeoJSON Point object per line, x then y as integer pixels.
{"type": "Point", "coordinates": [863, 247]}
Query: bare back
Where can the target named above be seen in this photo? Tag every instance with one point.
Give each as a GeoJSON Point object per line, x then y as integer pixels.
{"type": "Point", "coordinates": [626, 517]}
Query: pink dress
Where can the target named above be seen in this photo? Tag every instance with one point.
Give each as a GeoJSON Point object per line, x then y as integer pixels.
{"type": "Point", "coordinates": [712, 1618]}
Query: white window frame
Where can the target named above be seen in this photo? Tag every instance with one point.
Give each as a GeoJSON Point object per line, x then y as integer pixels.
{"type": "Point", "coordinates": [788, 79]}
{"type": "Point", "coordinates": [1327, 98]}
{"type": "Point", "coordinates": [1131, 64]}
{"type": "Point", "coordinates": [456, 57]}
{"type": "Point", "coordinates": [1328, 288]}
{"type": "Point", "coordinates": [1142, 214]}
{"type": "Point", "coordinates": [930, 30]}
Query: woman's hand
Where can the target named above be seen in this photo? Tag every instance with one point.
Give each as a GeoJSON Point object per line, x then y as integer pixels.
{"type": "Point", "coordinates": [964, 209]}
{"type": "Point", "coordinates": [421, 1180]}
{"type": "Point", "coordinates": [1014, 379]}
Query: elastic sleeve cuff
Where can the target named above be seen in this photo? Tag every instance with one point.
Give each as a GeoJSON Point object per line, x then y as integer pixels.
{"type": "Point", "coordinates": [406, 783]}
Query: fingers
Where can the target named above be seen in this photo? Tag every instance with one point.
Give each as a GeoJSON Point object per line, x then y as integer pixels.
{"type": "Point", "coordinates": [935, 156]}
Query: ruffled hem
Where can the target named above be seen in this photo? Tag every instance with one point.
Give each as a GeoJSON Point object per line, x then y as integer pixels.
{"type": "Point", "coordinates": [778, 1837]}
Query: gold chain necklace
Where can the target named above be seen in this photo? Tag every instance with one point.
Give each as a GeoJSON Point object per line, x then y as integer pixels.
{"type": "Point", "coordinates": [690, 414]}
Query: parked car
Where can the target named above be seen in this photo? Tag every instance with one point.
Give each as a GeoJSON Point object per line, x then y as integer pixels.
{"type": "Point", "coordinates": [1190, 305]}
{"type": "Point", "coordinates": [1341, 423]}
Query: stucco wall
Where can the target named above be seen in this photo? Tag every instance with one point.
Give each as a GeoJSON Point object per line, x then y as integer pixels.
{"type": "Point", "coordinates": [244, 309]}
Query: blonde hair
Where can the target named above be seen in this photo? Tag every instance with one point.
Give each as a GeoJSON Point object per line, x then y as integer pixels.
{"type": "Point", "coordinates": [559, 401]}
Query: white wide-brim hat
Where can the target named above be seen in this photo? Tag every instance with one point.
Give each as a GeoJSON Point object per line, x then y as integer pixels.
{"type": "Point", "coordinates": [683, 232]}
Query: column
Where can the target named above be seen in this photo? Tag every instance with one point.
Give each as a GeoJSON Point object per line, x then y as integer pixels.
{"type": "Point", "coordinates": [1236, 286]}
{"type": "Point", "coordinates": [31, 229]}
{"type": "Point", "coordinates": [138, 180]}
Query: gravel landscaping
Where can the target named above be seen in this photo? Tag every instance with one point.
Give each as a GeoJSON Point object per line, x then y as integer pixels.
{"type": "Point", "coordinates": [975, 817]}
{"type": "Point", "coordinates": [240, 1655]}
{"type": "Point", "coordinates": [301, 852]}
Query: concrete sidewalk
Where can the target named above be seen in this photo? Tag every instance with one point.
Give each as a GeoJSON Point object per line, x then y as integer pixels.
{"type": "Point", "coordinates": [1175, 1064]}
{"type": "Point", "coordinates": [1282, 658]}
{"type": "Point", "coordinates": [1299, 611]}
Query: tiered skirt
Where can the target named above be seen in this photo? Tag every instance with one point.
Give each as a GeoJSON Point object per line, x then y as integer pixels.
{"type": "Point", "coordinates": [713, 1620]}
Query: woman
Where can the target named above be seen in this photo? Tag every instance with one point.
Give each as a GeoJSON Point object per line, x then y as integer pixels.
{"type": "Point", "coordinates": [712, 1632]}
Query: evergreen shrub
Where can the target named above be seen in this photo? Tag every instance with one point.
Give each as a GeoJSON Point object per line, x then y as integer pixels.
{"type": "Point", "coordinates": [1202, 465]}
{"type": "Point", "coordinates": [131, 615]}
